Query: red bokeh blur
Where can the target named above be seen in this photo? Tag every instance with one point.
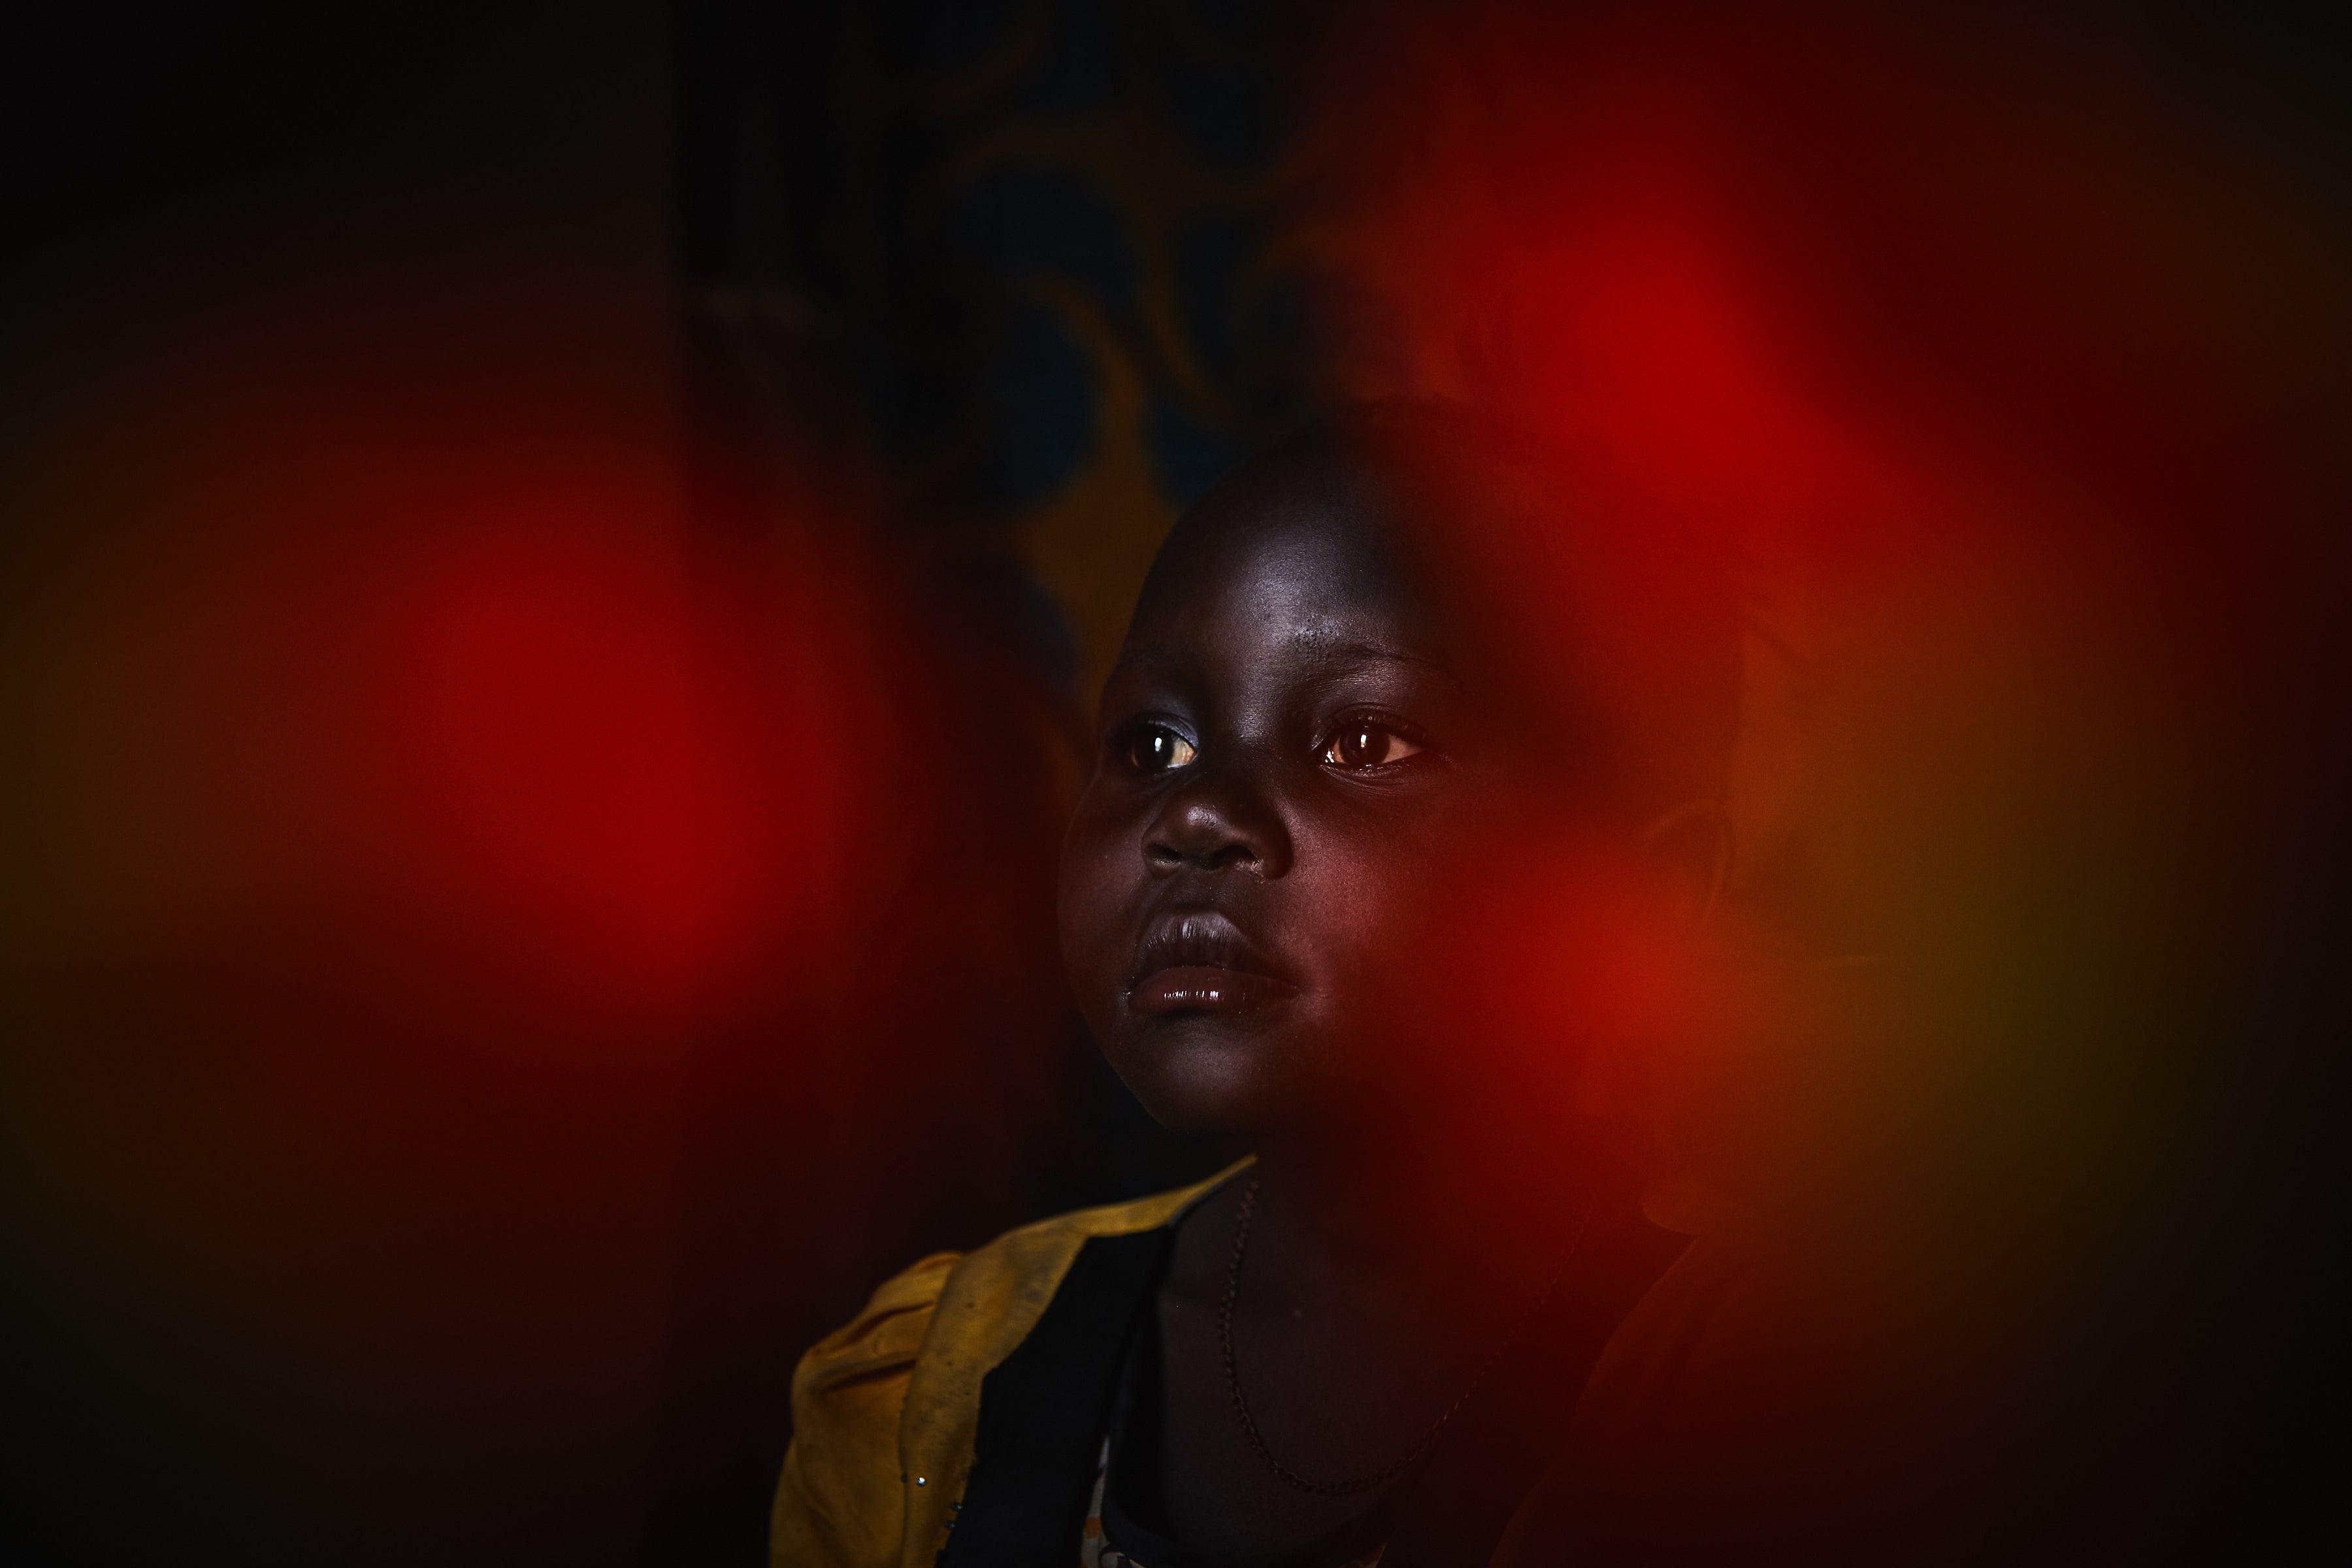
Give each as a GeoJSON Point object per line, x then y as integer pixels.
{"type": "Point", "coordinates": [501, 952]}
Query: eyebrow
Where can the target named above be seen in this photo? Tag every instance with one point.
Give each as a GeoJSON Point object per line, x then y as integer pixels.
{"type": "Point", "coordinates": [1376, 651]}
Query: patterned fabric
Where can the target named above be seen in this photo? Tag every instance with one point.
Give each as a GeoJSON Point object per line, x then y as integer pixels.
{"type": "Point", "coordinates": [1041, 255]}
{"type": "Point", "coordinates": [1095, 1552]}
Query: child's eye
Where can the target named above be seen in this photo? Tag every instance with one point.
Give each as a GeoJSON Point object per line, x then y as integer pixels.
{"type": "Point", "coordinates": [1365, 744]}
{"type": "Point", "coordinates": [1155, 749]}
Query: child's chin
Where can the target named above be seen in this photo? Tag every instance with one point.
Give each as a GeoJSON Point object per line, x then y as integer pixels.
{"type": "Point", "coordinates": [1206, 1082]}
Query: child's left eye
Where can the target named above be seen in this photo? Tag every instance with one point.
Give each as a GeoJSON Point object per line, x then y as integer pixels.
{"type": "Point", "coordinates": [1364, 743]}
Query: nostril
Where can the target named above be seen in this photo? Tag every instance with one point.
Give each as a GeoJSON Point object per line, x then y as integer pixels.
{"type": "Point", "coordinates": [1218, 858]}
{"type": "Point", "coordinates": [1210, 823]}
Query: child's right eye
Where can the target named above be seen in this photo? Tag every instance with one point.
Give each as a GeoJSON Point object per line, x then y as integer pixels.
{"type": "Point", "coordinates": [1156, 749]}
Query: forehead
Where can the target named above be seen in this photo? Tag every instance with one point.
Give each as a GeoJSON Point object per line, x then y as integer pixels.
{"type": "Point", "coordinates": [1305, 550]}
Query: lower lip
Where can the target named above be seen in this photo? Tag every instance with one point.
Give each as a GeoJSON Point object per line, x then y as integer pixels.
{"type": "Point", "coordinates": [1201, 989]}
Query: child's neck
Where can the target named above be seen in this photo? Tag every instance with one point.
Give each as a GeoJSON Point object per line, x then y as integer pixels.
{"type": "Point", "coordinates": [1438, 1214]}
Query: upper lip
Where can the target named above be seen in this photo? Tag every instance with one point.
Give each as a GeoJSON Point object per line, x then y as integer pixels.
{"type": "Point", "coordinates": [1202, 938]}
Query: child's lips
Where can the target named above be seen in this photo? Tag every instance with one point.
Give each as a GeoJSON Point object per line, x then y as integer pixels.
{"type": "Point", "coordinates": [1198, 960]}
{"type": "Point", "coordinates": [1206, 988]}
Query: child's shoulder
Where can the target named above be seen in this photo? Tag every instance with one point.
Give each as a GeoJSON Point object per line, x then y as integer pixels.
{"type": "Point", "coordinates": [1002, 1285]}
{"type": "Point", "coordinates": [886, 1332]}
{"type": "Point", "coordinates": [885, 1408]}
{"type": "Point", "coordinates": [1038, 1252]}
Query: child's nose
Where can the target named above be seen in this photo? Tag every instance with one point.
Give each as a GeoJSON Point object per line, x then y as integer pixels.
{"type": "Point", "coordinates": [1216, 819]}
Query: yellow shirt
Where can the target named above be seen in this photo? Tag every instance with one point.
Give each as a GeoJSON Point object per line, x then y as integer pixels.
{"type": "Point", "coordinates": [886, 1410]}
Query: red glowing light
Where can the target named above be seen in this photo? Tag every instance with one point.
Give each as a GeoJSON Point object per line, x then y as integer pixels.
{"type": "Point", "coordinates": [582, 763]}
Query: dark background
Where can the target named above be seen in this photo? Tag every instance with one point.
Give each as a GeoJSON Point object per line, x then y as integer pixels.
{"type": "Point", "coordinates": [328, 1239]}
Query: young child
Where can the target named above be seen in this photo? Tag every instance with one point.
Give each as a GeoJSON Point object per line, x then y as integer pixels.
{"type": "Point", "coordinates": [1397, 823]}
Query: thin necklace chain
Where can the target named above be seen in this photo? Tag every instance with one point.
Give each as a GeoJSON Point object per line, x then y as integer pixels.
{"type": "Point", "coordinates": [1380, 1478]}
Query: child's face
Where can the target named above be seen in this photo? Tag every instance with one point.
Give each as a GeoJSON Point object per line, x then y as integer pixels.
{"type": "Point", "coordinates": [1293, 786]}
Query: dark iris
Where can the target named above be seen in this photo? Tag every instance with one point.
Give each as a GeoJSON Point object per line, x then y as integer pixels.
{"type": "Point", "coordinates": [1156, 749]}
{"type": "Point", "coordinates": [1365, 744]}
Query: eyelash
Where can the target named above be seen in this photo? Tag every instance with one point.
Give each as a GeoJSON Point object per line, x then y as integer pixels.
{"type": "Point", "coordinates": [1358, 724]}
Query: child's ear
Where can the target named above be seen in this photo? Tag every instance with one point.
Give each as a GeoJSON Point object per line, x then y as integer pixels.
{"type": "Point", "coordinates": [1691, 847]}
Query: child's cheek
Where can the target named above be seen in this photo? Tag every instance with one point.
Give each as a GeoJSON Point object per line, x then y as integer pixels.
{"type": "Point", "coordinates": [1376, 912]}
{"type": "Point", "coordinates": [1101, 881]}
{"type": "Point", "coordinates": [1475, 939]}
